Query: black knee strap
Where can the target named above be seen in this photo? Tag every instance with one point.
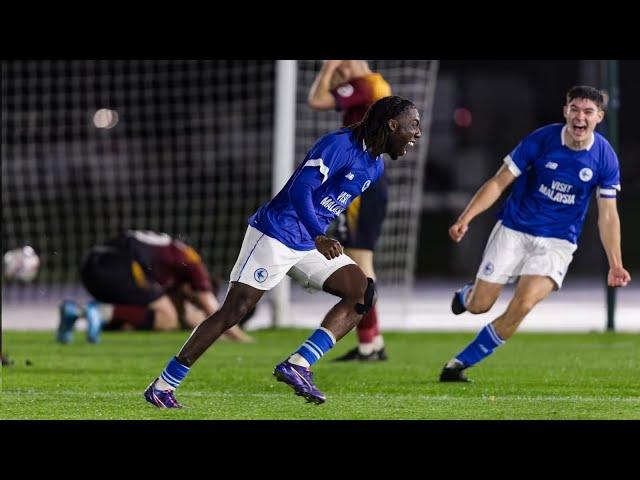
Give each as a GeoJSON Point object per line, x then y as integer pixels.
{"type": "Point", "coordinates": [368, 298]}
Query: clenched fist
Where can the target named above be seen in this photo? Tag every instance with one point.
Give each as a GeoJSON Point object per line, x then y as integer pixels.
{"type": "Point", "coordinates": [457, 230]}
{"type": "Point", "coordinates": [328, 247]}
{"type": "Point", "coordinates": [618, 277]}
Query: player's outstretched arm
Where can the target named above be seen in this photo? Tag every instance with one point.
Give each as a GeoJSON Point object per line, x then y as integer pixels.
{"type": "Point", "coordinates": [609, 227]}
{"type": "Point", "coordinates": [320, 97]}
{"type": "Point", "coordinates": [486, 196]}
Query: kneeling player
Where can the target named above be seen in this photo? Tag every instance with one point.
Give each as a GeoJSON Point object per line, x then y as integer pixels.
{"type": "Point", "coordinates": [142, 280]}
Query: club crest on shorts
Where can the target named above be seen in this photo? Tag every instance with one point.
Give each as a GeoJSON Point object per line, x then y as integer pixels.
{"type": "Point", "coordinates": [260, 275]}
{"type": "Point", "coordinates": [366, 185]}
{"type": "Point", "coordinates": [488, 268]}
{"type": "Point", "coordinates": [586, 174]}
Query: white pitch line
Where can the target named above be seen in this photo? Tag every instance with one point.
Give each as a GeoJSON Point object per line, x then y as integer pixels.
{"type": "Point", "coordinates": [387, 397]}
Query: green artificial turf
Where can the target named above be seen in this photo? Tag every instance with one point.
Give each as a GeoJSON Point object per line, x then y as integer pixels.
{"type": "Point", "coordinates": [533, 376]}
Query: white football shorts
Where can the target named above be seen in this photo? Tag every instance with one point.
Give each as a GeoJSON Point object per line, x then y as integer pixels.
{"type": "Point", "coordinates": [510, 253]}
{"type": "Point", "coordinates": [263, 261]}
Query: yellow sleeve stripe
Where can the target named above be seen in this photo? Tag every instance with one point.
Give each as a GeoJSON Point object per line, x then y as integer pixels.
{"type": "Point", "coordinates": [138, 275]}
{"type": "Point", "coordinates": [379, 87]}
{"type": "Point", "coordinates": [192, 255]}
{"type": "Point", "coordinates": [353, 213]}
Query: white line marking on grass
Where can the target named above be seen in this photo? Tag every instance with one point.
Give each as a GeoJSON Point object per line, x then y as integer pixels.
{"type": "Point", "coordinates": [377, 396]}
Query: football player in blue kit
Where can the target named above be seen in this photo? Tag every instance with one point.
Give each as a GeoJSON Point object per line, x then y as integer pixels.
{"type": "Point", "coordinates": [287, 236]}
{"type": "Point", "coordinates": [554, 171]}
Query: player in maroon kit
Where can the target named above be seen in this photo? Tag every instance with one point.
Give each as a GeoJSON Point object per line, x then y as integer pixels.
{"type": "Point", "coordinates": [351, 87]}
{"type": "Point", "coordinates": [142, 280]}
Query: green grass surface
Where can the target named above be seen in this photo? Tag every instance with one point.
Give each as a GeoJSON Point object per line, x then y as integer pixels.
{"type": "Point", "coordinates": [533, 376]}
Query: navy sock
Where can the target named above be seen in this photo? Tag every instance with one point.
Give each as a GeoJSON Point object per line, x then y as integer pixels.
{"type": "Point", "coordinates": [482, 346]}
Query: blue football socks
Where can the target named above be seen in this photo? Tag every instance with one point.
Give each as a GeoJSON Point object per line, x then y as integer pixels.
{"type": "Point", "coordinates": [482, 346]}
{"type": "Point", "coordinates": [312, 350]}
{"type": "Point", "coordinates": [173, 374]}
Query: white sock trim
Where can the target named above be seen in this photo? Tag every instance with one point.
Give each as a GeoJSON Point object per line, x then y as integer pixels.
{"type": "Point", "coordinates": [162, 385]}
{"type": "Point", "coordinates": [299, 360]}
{"type": "Point", "coordinates": [465, 297]}
{"type": "Point", "coordinates": [106, 311]}
{"type": "Point", "coordinates": [366, 348]}
{"type": "Point", "coordinates": [378, 342]}
{"type": "Point", "coordinates": [494, 335]}
{"type": "Point", "coordinates": [328, 332]}
{"type": "Point", "coordinates": [454, 362]}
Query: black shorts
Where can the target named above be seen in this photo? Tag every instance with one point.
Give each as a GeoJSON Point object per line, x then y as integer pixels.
{"type": "Point", "coordinates": [360, 225]}
{"type": "Point", "coordinates": [108, 274]}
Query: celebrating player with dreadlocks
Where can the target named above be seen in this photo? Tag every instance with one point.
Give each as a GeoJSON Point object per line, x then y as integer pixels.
{"type": "Point", "coordinates": [287, 236]}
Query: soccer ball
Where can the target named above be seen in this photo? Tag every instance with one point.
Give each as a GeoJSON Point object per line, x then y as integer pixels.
{"type": "Point", "coordinates": [21, 264]}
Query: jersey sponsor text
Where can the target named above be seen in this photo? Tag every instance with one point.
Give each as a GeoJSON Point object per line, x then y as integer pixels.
{"type": "Point", "coordinates": [558, 192]}
{"type": "Point", "coordinates": [332, 206]}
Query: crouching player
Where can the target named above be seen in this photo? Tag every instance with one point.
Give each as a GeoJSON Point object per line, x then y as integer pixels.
{"type": "Point", "coordinates": [142, 280]}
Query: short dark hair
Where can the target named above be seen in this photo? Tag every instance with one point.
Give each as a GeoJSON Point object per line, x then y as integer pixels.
{"type": "Point", "coordinates": [588, 93]}
{"type": "Point", "coordinates": [373, 126]}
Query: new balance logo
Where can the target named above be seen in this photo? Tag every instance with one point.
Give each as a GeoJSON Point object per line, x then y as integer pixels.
{"type": "Point", "coordinates": [551, 165]}
{"type": "Point", "coordinates": [350, 176]}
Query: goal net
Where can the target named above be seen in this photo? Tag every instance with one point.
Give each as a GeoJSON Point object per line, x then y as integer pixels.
{"type": "Point", "coordinates": [93, 147]}
{"type": "Point", "coordinates": [190, 155]}
{"type": "Point", "coordinates": [394, 259]}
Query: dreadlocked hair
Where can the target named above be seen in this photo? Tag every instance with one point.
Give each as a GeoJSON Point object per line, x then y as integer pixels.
{"type": "Point", "coordinates": [373, 128]}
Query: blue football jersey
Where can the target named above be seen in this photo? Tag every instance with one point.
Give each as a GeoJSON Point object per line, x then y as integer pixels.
{"type": "Point", "coordinates": [551, 195]}
{"type": "Point", "coordinates": [343, 169]}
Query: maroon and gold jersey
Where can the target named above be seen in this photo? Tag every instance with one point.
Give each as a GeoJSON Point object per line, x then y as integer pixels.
{"type": "Point", "coordinates": [160, 259]}
{"type": "Point", "coordinates": [355, 97]}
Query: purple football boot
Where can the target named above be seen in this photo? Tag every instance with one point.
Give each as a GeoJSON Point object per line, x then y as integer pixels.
{"type": "Point", "coordinates": [300, 379]}
{"type": "Point", "coordinates": [160, 398]}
